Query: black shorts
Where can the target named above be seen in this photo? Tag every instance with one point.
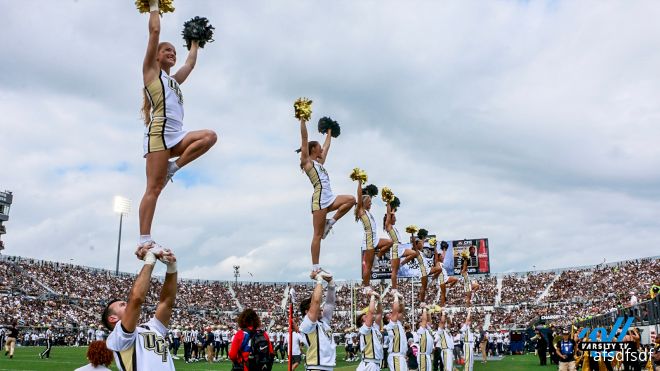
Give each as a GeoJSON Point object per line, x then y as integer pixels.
{"type": "Point", "coordinates": [296, 359]}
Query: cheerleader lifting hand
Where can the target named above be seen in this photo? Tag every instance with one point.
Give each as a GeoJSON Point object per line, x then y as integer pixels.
{"type": "Point", "coordinates": [312, 159]}
{"type": "Point", "coordinates": [162, 109]}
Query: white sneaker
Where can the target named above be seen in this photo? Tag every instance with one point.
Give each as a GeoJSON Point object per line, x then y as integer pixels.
{"type": "Point", "coordinates": [161, 252]}
{"type": "Point", "coordinates": [169, 176]}
{"type": "Point", "coordinates": [368, 290]}
{"type": "Point", "coordinates": [327, 228]}
{"type": "Point", "coordinates": [396, 292]}
{"type": "Point", "coordinates": [321, 273]}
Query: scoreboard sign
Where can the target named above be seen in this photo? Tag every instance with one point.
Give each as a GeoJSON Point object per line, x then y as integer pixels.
{"type": "Point", "coordinates": [479, 255]}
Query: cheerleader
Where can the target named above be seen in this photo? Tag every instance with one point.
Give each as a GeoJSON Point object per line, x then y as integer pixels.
{"type": "Point", "coordinates": [426, 344]}
{"type": "Point", "coordinates": [469, 286]}
{"type": "Point", "coordinates": [440, 273]}
{"type": "Point", "coordinates": [397, 345]}
{"type": "Point", "coordinates": [164, 137]}
{"type": "Point", "coordinates": [468, 342]}
{"type": "Point", "coordinates": [312, 158]}
{"type": "Point", "coordinates": [370, 243]}
{"type": "Point", "coordinates": [418, 245]}
{"type": "Point", "coordinates": [397, 249]}
{"type": "Point", "coordinates": [371, 338]}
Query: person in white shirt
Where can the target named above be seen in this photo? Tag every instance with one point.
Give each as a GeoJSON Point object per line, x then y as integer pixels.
{"type": "Point", "coordinates": [398, 346]}
{"type": "Point", "coordinates": [444, 341]}
{"type": "Point", "coordinates": [425, 341]}
{"type": "Point", "coordinates": [49, 343]}
{"type": "Point", "coordinates": [458, 346]}
{"type": "Point", "coordinates": [296, 353]}
{"type": "Point", "coordinates": [633, 298]}
{"type": "Point", "coordinates": [99, 357]}
{"type": "Point", "coordinates": [99, 334]}
{"type": "Point", "coordinates": [143, 347]}
{"type": "Point", "coordinates": [371, 339]}
{"type": "Point", "coordinates": [468, 342]}
{"type": "Point", "coordinates": [499, 340]}
{"type": "Point", "coordinates": [321, 350]}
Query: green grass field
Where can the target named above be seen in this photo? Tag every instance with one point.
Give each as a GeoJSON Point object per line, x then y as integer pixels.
{"type": "Point", "coordinates": [70, 358]}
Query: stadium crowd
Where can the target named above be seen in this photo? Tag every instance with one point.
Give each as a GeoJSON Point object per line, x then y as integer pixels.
{"type": "Point", "coordinates": [38, 294]}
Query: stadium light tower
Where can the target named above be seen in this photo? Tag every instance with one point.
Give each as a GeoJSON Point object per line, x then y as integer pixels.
{"type": "Point", "coordinates": [236, 273]}
{"type": "Point", "coordinates": [121, 206]}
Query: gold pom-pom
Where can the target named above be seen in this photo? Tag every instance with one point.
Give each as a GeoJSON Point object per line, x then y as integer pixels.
{"type": "Point", "coordinates": [465, 254]}
{"type": "Point", "coordinates": [303, 109]}
{"type": "Point", "coordinates": [433, 242]}
{"type": "Point", "coordinates": [387, 195]}
{"type": "Point", "coordinates": [164, 6]}
{"type": "Point", "coordinates": [358, 174]}
{"type": "Point", "coordinates": [412, 229]}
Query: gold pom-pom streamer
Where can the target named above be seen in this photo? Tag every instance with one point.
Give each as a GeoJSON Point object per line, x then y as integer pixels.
{"type": "Point", "coordinates": [433, 242]}
{"type": "Point", "coordinates": [387, 195]}
{"type": "Point", "coordinates": [358, 174]}
{"type": "Point", "coordinates": [303, 109]}
{"type": "Point", "coordinates": [164, 6]}
{"type": "Point", "coordinates": [412, 229]}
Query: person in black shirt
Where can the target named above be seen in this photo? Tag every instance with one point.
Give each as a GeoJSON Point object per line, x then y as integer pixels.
{"type": "Point", "coordinates": [541, 347]}
{"type": "Point", "coordinates": [566, 351]}
{"type": "Point", "coordinates": [10, 343]}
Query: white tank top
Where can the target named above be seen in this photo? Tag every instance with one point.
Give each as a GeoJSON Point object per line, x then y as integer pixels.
{"type": "Point", "coordinates": [394, 235]}
{"type": "Point", "coordinates": [319, 177]}
{"type": "Point", "coordinates": [398, 342]}
{"type": "Point", "coordinates": [425, 341]}
{"type": "Point", "coordinates": [371, 343]}
{"type": "Point", "coordinates": [370, 231]}
{"type": "Point", "coordinates": [165, 97]}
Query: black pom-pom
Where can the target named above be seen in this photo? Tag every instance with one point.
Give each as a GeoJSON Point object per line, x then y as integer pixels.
{"type": "Point", "coordinates": [444, 245]}
{"type": "Point", "coordinates": [370, 190]}
{"type": "Point", "coordinates": [422, 234]}
{"type": "Point", "coordinates": [326, 123]}
{"type": "Point", "coordinates": [395, 203]}
{"type": "Point", "coordinates": [199, 29]}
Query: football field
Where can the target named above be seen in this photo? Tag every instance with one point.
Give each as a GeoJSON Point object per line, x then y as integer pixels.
{"type": "Point", "coordinates": [70, 358]}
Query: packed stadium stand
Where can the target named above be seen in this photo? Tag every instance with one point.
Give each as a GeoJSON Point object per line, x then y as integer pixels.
{"type": "Point", "coordinates": [38, 293]}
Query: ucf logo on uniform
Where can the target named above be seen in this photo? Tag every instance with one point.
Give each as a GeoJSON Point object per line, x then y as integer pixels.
{"type": "Point", "coordinates": [155, 343]}
{"type": "Point", "coordinates": [175, 88]}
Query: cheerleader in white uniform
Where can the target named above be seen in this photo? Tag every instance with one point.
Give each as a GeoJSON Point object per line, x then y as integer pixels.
{"type": "Point", "coordinates": [469, 286]}
{"type": "Point", "coordinates": [440, 273]}
{"type": "Point", "coordinates": [398, 249]}
{"type": "Point", "coordinates": [426, 344]}
{"type": "Point", "coordinates": [370, 243]}
{"type": "Point", "coordinates": [468, 342]}
{"type": "Point", "coordinates": [164, 137]}
{"type": "Point", "coordinates": [312, 158]}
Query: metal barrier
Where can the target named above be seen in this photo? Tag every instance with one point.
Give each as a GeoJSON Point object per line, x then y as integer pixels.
{"type": "Point", "coordinates": [644, 313]}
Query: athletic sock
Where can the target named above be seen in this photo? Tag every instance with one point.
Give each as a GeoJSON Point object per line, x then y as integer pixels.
{"type": "Point", "coordinates": [145, 238]}
{"type": "Point", "coordinates": [331, 221]}
{"type": "Point", "coordinates": [315, 267]}
{"type": "Point", "coordinates": [172, 167]}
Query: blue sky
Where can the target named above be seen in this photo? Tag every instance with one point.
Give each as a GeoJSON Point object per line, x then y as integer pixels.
{"type": "Point", "coordinates": [531, 123]}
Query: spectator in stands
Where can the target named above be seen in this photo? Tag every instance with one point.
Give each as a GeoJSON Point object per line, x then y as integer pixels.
{"type": "Point", "coordinates": [99, 357]}
{"type": "Point", "coordinates": [633, 299]}
{"type": "Point", "coordinates": [249, 326]}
